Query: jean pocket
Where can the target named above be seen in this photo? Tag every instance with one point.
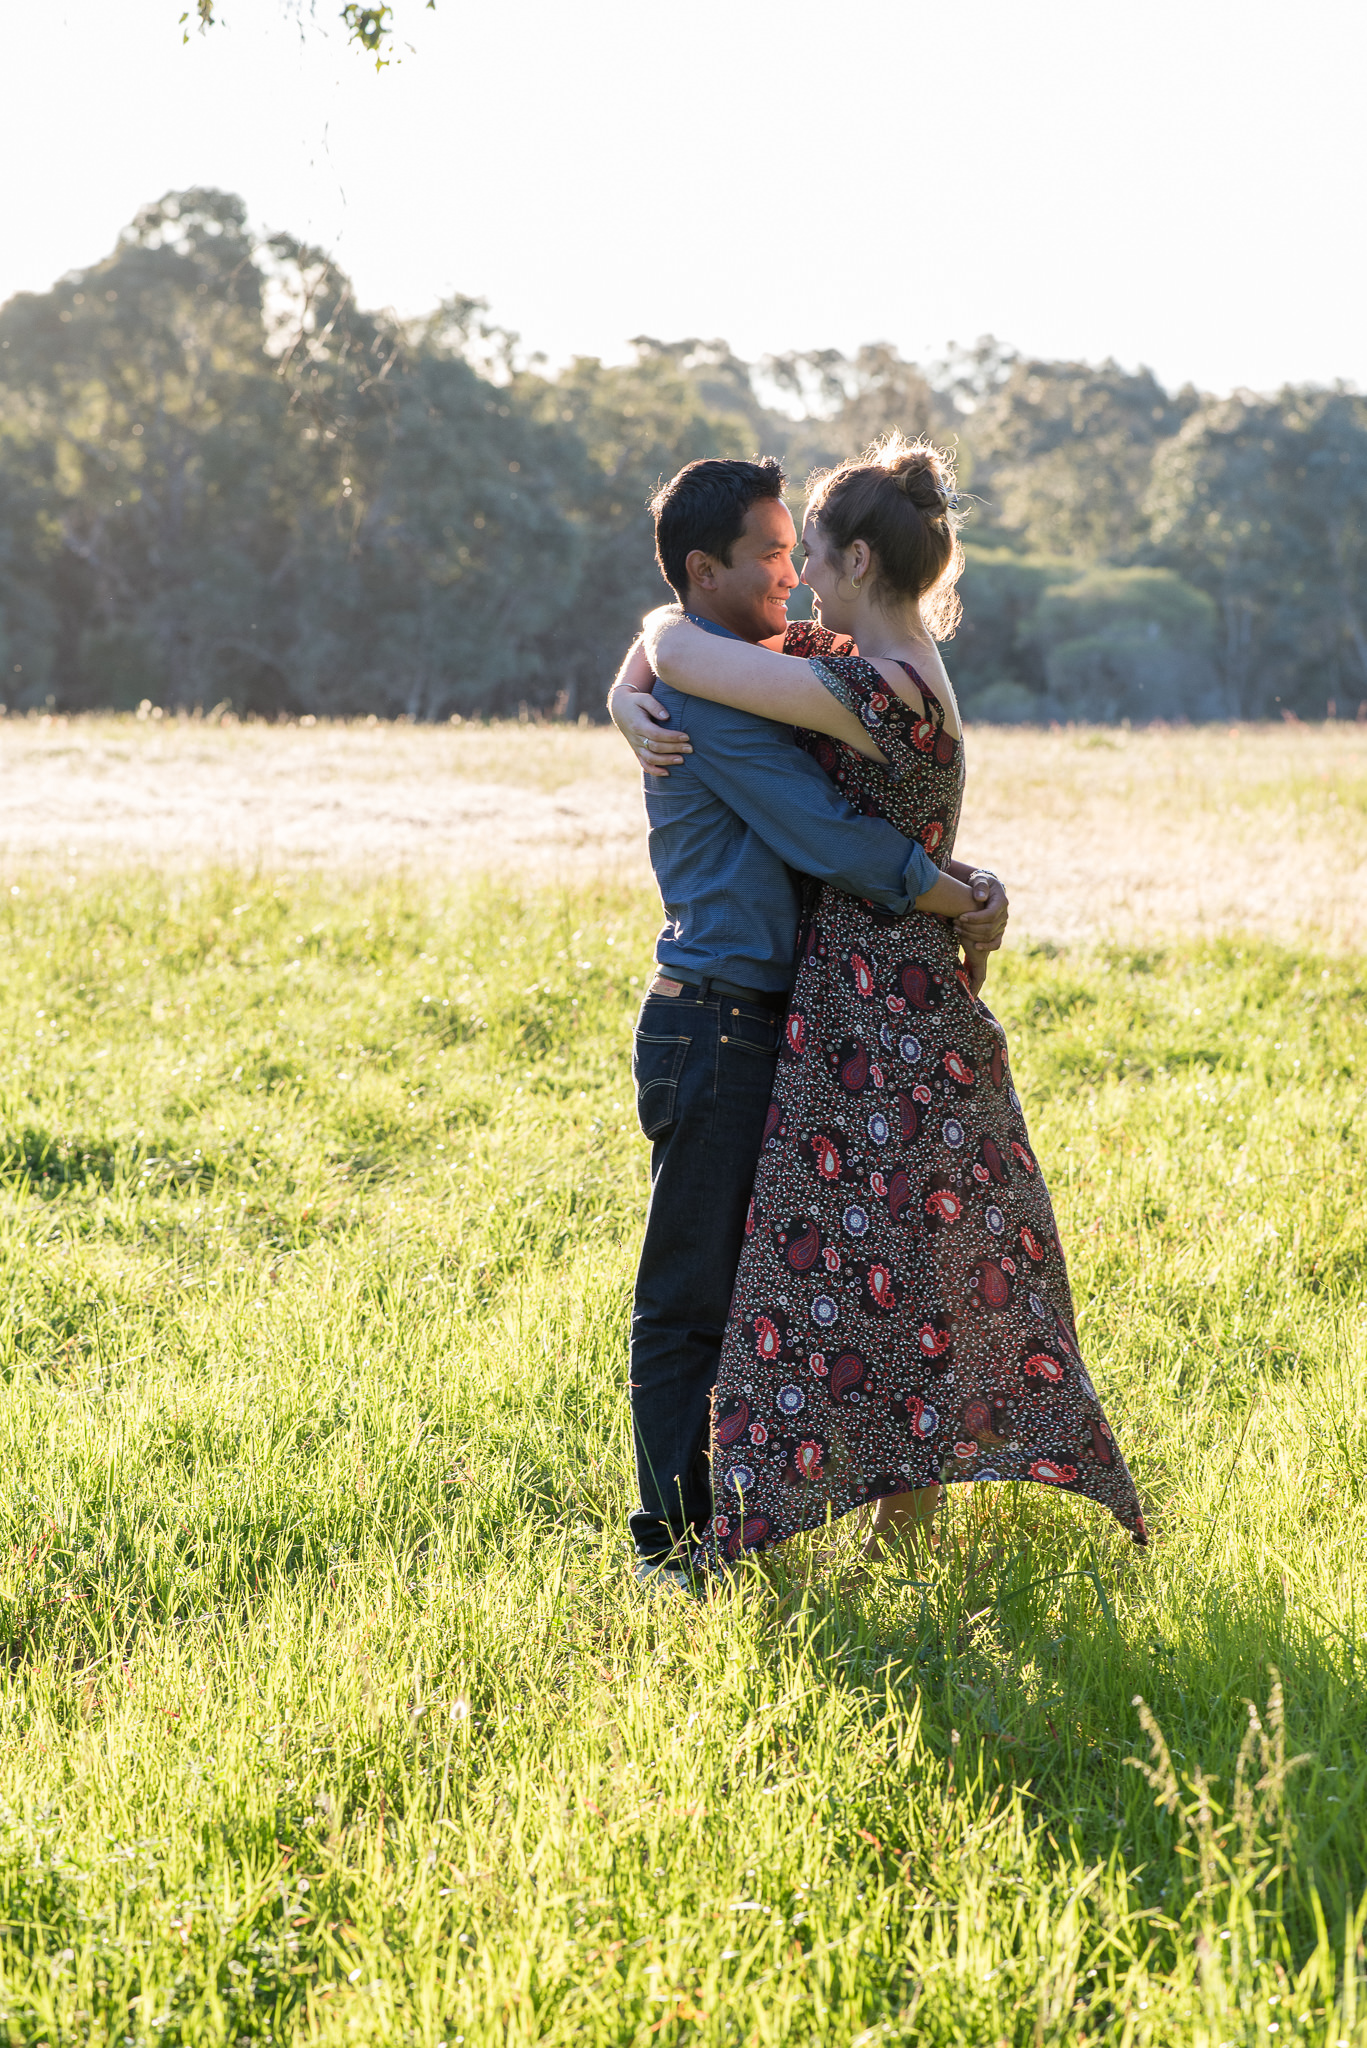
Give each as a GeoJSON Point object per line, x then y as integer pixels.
{"type": "Point", "coordinates": [751, 1030]}
{"type": "Point", "coordinates": [656, 1064]}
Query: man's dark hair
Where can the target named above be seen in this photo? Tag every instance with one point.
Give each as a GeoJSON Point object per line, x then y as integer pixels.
{"type": "Point", "coordinates": [704, 507]}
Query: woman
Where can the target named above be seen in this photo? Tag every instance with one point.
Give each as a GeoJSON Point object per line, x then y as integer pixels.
{"type": "Point", "coordinates": [901, 1315]}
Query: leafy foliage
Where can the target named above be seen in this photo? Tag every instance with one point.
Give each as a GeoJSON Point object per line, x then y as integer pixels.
{"type": "Point", "coordinates": [370, 28]}
{"type": "Point", "coordinates": [1067, 448]}
{"type": "Point", "coordinates": [1116, 638]}
{"type": "Point", "coordinates": [1269, 497]}
{"type": "Point", "coordinates": [223, 481]}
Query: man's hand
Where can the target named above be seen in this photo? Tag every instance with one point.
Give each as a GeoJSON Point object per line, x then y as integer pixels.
{"type": "Point", "coordinates": [638, 717]}
{"type": "Point", "coordinates": [975, 966]}
{"type": "Point", "coordinates": [985, 927]}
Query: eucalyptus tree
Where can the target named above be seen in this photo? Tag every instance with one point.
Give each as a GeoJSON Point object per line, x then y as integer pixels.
{"type": "Point", "coordinates": [138, 407]}
{"type": "Point", "coordinates": [1061, 454]}
{"type": "Point", "coordinates": [223, 480]}
{"type": "Point", "coordinates": [1262, 501]}
{"type": "Point", "coordinates": [633, 425]}
{"type": "Point", "coordinates": [435, 548]}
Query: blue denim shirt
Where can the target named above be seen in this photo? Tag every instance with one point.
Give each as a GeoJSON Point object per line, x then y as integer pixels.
{"type": "Point", "coordinates": [734, 830]}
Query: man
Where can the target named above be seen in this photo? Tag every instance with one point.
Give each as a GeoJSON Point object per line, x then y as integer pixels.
{"type": "Point", "coordinates": [739, 818]}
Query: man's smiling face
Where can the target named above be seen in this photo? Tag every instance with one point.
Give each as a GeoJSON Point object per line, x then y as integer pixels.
{"type": "Point", "coordinates": [750, 594]}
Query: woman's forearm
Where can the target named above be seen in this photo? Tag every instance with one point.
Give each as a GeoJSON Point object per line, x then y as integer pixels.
{"type": "Point", "coordinates": [947, 897]}
{"type": "Point", "coordinates": [635, 672]}
{"type": "Point", "coordinates": [963, 869]}
{"type": "Point", "coordinates": [747, 677]}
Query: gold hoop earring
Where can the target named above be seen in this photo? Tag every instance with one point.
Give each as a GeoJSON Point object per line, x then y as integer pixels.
{"type": "Point", "coordinates": [855, 582]}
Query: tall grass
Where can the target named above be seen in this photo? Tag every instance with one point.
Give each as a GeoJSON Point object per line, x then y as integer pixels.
{"type": "Point", "coordinates": [330, 1711]}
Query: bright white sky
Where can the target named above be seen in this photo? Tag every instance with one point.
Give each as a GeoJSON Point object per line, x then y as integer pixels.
{"type": "Point", "coordinates": [1178, 183]}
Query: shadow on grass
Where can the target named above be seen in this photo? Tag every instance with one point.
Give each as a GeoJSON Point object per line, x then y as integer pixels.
{"type": "Point", "coordinates": [1036, 1646]}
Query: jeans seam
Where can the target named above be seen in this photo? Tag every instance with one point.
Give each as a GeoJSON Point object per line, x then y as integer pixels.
{"type": "Point", "coordinates": [682, 1042]}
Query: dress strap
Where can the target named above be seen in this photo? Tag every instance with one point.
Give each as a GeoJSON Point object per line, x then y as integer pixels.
{"type": "Point", "coordinates": [933, 728]}
{"type": "Point", "coordinates": [935, 710]}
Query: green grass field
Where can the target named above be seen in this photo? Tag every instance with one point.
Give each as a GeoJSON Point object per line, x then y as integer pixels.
{"type": "Point", "coordinates": [330, 1710]}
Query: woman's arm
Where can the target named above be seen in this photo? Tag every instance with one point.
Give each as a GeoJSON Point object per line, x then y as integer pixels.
{"type": "Point", "coordinates": [747, 678]}
{"type": "Point", "coordinates": [637, 716]}
{"type": "Point", "coordinates": [948, 897]}
{"type": "Point", "coordinates": [635, 673]}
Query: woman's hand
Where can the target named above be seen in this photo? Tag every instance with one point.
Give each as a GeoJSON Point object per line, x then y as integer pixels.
{"type": "Point", "coordinates": [638, 717]}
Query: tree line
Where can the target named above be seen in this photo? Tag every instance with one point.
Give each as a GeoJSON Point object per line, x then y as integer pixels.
{"type": "Point", "coordinates": [223, 482]}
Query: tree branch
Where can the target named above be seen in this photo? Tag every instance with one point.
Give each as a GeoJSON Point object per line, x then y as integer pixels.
{"type": "Point", "coordinates": [372, 28]}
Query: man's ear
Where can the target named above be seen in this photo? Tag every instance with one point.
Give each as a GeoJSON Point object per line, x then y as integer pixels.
{"type": "Point", "coordinates": [701, 570]}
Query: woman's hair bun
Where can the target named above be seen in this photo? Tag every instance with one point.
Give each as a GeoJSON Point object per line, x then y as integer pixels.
{"type": "Point", "coordinates": [917, 475]}
{"type": "Point", "coordinates": [899, 498]}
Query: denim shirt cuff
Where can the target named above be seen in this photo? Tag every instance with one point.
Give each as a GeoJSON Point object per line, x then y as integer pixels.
{"type": "Point", "coordinates": [922, 873]}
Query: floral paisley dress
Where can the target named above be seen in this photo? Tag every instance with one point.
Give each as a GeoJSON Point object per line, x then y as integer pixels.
{"type": "Point", "coordinates": [901, 1311]}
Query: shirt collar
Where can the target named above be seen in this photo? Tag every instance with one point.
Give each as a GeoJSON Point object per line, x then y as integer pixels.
{"type": "Point", "coordinates": [710, 626]}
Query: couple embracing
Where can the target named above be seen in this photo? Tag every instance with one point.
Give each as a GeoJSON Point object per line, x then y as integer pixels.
{"type": "Point", "coordinates": [851, 1289]}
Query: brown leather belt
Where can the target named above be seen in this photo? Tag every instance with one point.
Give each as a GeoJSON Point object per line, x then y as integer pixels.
{"type": "Point", "coordinates": [700, 991]}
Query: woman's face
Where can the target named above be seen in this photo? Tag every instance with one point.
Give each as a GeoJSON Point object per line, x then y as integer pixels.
{"type": "Point", "coordinates": [823, 577]}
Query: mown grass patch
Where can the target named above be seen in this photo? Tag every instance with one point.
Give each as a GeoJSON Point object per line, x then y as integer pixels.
{"type": "Point", "coordinates": [329, 1709]}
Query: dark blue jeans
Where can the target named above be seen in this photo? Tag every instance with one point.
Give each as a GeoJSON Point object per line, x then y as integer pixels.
{"type": "Point", "coordinates": [704, 1070]}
